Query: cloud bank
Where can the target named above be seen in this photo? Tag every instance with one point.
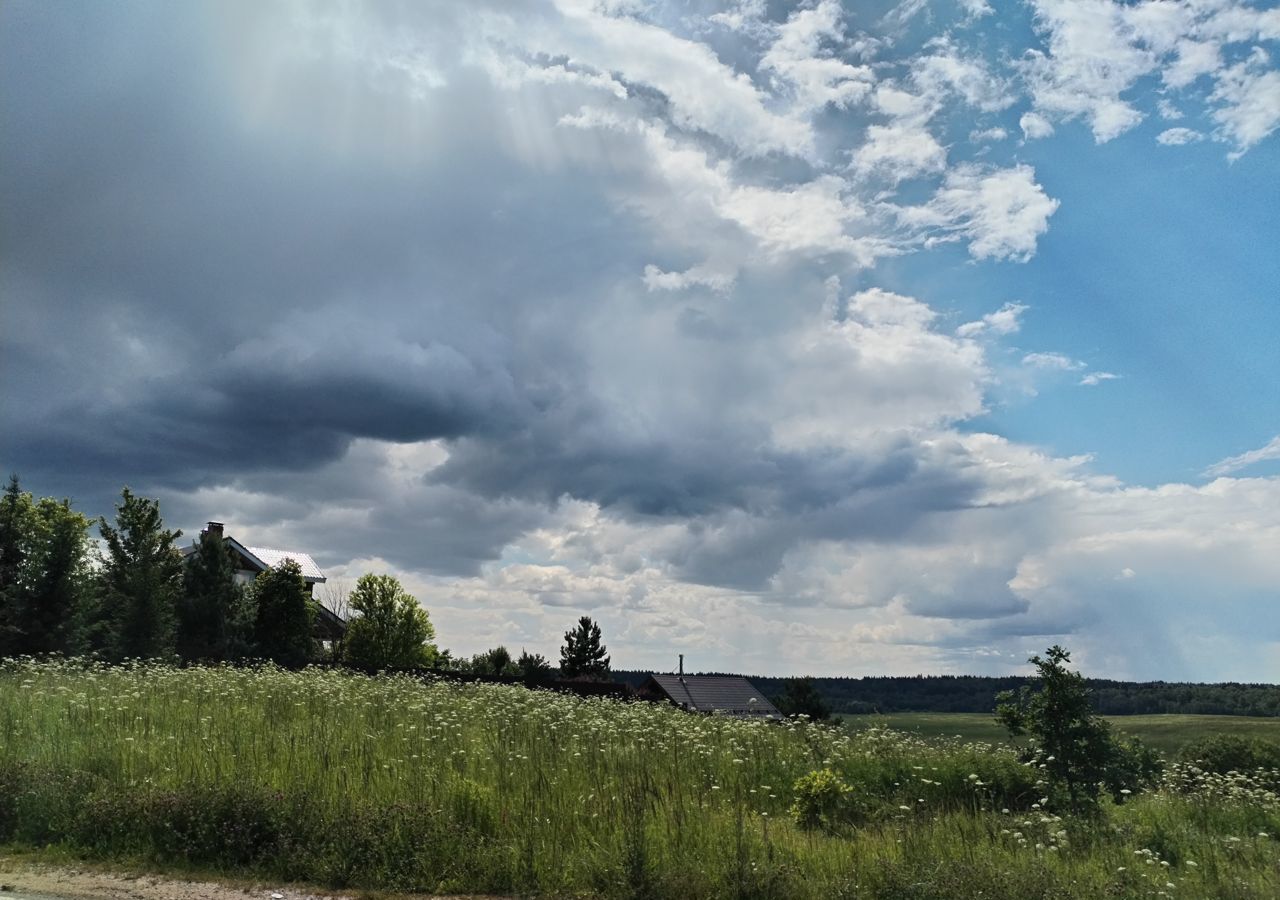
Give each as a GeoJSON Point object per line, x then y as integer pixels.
{"type": "Point", "coordinates": [560, 307]}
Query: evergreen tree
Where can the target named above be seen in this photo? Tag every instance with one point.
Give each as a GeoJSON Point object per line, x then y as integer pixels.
{"type": "Point", "coordinates": [55, 580]}
{"type": "Point", "coordinates": [802, 699]}
{"type": "Point", "coordinates": [391, 629]}
{"type": "Point", "coordinates": [534, 667]}
{"type": "Point", "coordinates": [210, 606]}
{"type": "Point", "coordinates": [285, 615]}
{"type": "Point", "coordinates": [15, 528]}
{"type": "Point", "coordinates": [583, 656]}
{"type": "Point", "coordinates": [141, 579]}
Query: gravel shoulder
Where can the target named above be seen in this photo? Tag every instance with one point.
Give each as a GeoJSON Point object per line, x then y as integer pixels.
{"type": "Point", "coordinates": [25, 879]}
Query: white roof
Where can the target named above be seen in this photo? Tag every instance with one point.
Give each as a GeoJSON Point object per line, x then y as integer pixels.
{"type": "Point", "coordinates": [270, 557]}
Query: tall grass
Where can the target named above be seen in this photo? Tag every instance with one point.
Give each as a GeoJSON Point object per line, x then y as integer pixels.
{"type": "Point", "coordinates": [393, 783]}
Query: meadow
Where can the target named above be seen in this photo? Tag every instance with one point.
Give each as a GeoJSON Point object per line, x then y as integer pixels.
{"type": "Point", "coordinates": [392, 783]}
{"type": "Point", "coordinates": [1167, 733]}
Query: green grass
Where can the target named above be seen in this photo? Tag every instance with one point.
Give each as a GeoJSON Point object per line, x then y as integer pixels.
{"type": "Point", "coordinates": [389, 783]}
{"type": "Point", "coordinates": [1167, 733]}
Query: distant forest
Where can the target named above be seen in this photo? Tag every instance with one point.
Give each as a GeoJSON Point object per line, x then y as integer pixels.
{"type": "Point", "coordinates": [976, 694]}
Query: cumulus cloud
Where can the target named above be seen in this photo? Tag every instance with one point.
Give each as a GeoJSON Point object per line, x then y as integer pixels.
{"type": "Point", "coordinates": [580, 306]}
{"type": "Point", "coordinates": [813, 76]}
{"type": "Point", "coordinates": [1098, 50]}
{"type": "Point", "coordinates": [1000, 212]}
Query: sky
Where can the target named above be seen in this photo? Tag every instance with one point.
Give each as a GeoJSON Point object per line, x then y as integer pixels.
{"type": "Point", "coordinates": [798, 338]}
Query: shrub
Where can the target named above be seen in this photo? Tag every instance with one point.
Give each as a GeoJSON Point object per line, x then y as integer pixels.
{"type": "Point", "coordinates": [821, 801]}
{"type": "Point", "coordinates": [1225, 753]}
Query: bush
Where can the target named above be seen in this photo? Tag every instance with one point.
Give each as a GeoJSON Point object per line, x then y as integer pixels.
{"type": "Point", "coordinates": [821, 801]}
{"type": "Point", "coordinates": [1134, 766]}
{"type": "Point", "coordinates": [1228, 753]}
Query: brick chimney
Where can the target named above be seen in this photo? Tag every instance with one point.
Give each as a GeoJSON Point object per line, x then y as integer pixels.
{"type": "Point", "coordinates": [214, 528]}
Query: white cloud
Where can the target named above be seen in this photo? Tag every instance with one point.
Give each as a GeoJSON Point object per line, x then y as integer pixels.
{"type": "Point", "coordinates": [1175, 137]}
{"type": "Point", "coordinates": [705, 94]}
{"type": "Point", "coordinates": [1092, 60]}
{"type": "Point", "coordinates": [900, 151]}
{"type": "Point", "coordinates": [814, 77]}
{"type": "Point", "coordinates": [705, 275]}
{"type": "Point", "coordinates": [1054, 361]}
{"type": "Point", "coordinates": [1095, 378]}
{"type": "Point", "coordinates": [1035, 126]}
{"type": "Point", "coordinates": [1249, 98]}
{"type": "Point", "coordinates": [946, 70]}
{"type": "Point", "coordinates": [1001, 212]}
{"type": "Point", "coordinates": [1098, 50]}
{"type": "Point", "coordinates": [1269, 451]}
{"type": "Point", "coordinates": [743, 15]}
{"type": "Point", "coordinates": [1006, 320]}
{"type": "Point", "coordinates": [988, 134]}
{"type": "Point", "coordinates": [812, 217]}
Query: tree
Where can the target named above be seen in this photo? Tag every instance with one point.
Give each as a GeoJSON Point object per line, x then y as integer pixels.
{"type": "Point", "coordinates": [141, 579]}
{"type": "Point", "coordinates": [492, 662]}
{"type": "Point", "coordinates": [285, 615]}
{"type": "Point", "coordinates": [1074, 745]}
{"type": "Point", "coordinates": [802, 699]}
{"type": "Point", "coordinates": [54, 584]}
{"type": "Point", "coordinates": [583, 656]}
{"type": "Point", "coordinates": [534, 667]}
{"type": "Point", "coordinates": [211, 619]}
{"type": "Point", "coordinates": [43, 572]}
{"type": "Point", "coordinates": [15, 527]}
{"type": "Point", "coordinates": [391, 629]}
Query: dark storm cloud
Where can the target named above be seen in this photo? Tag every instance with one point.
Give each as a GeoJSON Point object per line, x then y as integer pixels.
{"type": "Point", "coordinates": [214, 295]}
{"type": "Point", "coordinates": [229, 269]}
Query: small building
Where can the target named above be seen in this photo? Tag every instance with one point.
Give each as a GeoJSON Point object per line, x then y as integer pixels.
{"type": "Point", "coordinates": [715, 695]}
{"type": "Point", "coordinates": [249, 561]}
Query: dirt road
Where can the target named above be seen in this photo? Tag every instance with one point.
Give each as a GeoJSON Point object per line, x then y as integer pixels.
{"type": "Point", "coordinates": [25, 880]}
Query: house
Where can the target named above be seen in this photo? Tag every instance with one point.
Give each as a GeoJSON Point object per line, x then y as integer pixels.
{"type": "Point", "coordinates": [716, 695]}
{"type": "Point", "coordinates": [249, 561]}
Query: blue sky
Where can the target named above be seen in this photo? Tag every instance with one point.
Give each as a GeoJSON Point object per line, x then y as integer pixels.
{"type": "Point", "coordinates": [795, 337]}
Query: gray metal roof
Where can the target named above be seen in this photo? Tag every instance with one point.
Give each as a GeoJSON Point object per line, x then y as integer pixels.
{"type": "Point", "coordinates": [723, 694]}
{"type": "Point", "coordinates": [271, 558]}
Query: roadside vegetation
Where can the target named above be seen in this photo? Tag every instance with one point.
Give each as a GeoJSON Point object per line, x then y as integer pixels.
{"type": "Point", "coordinates": [392, 782]}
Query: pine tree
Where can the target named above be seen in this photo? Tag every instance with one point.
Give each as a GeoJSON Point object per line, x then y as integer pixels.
{"type": "Point", "coordinates": [141, 579]}
{"type": "Point", "coordinates": [583, 656]}
{"type": "Point", "coordinates": [208, 612]}
{"type": "Point", "coordinates": [285, 615]}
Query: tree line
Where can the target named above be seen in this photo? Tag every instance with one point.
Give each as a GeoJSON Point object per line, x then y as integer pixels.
{"type": "Point", "coordinates": [137, 596]}
{"type": "Point", "coordinates": [975, 694]}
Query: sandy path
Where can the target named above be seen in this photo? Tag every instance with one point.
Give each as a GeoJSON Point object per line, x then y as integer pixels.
{"type": "Point", "coordinates": [25, 880]}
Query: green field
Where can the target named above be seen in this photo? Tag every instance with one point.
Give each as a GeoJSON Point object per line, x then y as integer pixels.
{"type": "Point", "coordinates": [391, 783]}
{"type": "Point", "coordinates": [1167, 733]}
